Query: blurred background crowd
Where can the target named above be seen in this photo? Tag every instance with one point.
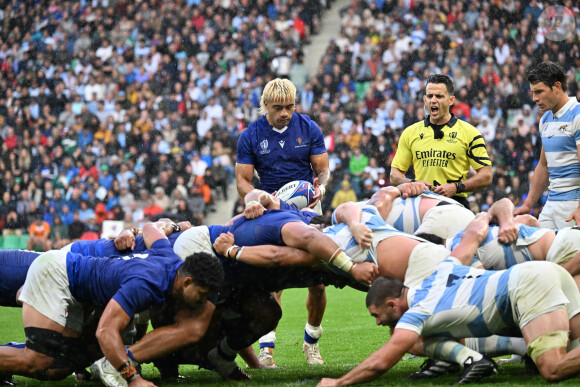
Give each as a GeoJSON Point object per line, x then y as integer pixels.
{"type": "Point", "coordinates": [127, 111]}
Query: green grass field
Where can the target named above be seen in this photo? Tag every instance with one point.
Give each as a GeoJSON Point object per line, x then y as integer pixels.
{"type": "Point", "coordinates": [350, 335]}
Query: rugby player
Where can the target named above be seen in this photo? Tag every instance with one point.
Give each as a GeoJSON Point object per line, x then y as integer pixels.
{"type": "Point", "coordinates": [52, 304]}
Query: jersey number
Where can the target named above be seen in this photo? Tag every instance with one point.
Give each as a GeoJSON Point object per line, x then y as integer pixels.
{"type": "Point", "coordinates": [136, 255]}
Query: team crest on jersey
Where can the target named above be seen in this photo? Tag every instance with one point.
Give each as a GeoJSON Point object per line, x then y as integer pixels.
{"type": "Point", "coordinates": [299, 140]}
{"type": "Point", "coordinates": [264, 146]}
{"type": "Point", "coordinates": [563, 128]}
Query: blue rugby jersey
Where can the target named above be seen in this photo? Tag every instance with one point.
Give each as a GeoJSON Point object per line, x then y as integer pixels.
{"type": "Point", "coordinates": [14, 266]}
{"type": "Point", "coordinates": [136, 281]}
{"type": "Point", "coordinates": [281, 156]}
{"type": "Point", "coordinates": [560, 137]}
{"type": "Point", "coordinates": [106, 247]}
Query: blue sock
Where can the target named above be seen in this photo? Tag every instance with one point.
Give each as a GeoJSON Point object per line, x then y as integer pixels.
{"type": "Point", "coordinates": [267, 345]}
{"type": "Point", "coordinates": [13, 344]}
{"type": "Point", "coordinates": [309, 339]}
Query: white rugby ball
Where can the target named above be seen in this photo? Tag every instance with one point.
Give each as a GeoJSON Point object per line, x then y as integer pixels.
{"type": "Point", "coordinates": [299, 193]}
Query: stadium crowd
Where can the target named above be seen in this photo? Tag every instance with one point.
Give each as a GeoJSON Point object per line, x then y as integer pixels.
{"type": "Point", "coordinates": [121, 110]}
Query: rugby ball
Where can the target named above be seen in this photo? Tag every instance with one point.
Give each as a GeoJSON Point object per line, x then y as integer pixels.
{"type": "Point", "coordinates": [299, 193]}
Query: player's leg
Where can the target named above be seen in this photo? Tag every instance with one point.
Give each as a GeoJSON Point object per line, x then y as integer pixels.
{"type": "Point", "coordinates": [316, 305]}
{"type": "Point", "coordinates": [254, 314]}
{"type": "Point", "coordinates": [50, 318]}
{"type": "Point", "coordinates": [268, 342]}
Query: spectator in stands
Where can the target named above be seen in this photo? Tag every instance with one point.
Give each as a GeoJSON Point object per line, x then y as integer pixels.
{"type": "Point", "coordinates": [345, 194]}
{"type": "Point", "coordinates": [38, 231]}
{"type": "Point", "coordinates": [58, 235]}
{"type": "Point", "coordinates": [13, 224]}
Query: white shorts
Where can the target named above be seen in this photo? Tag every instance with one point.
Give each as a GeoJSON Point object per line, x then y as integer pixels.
{"type": "Point", "coordinates": [540, 288]}
{"type": "Point", "coordinates": [194, 240]}
{"type": "Point", "coordinates": [47, 290]}
{"type": "Point", "coordinates": [445, 221]}
{"type": "Point", "coordinates": [67, 248]}
{"type": "Point", "coordinates": [422, 263]}
{"type": "Point", "coordinates": [555, 213]}
{"type": "Point", "coordinates": [565, 245]}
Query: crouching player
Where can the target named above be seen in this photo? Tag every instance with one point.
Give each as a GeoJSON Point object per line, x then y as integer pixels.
{"type": "Point", "coordinates": [60, 283]}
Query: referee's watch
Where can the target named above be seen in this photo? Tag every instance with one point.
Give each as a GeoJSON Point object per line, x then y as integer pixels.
{"type": "Point", "coordinates": [459, 187]}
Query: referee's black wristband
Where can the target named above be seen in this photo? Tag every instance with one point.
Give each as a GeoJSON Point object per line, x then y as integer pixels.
{"type": "Point", "coordinates": [176, 227]}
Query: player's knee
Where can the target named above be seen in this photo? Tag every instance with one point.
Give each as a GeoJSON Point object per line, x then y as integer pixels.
{"type": "Point", "coordinates": [549, 371]}
{"type": "Point", "coordinates": [545, 350]}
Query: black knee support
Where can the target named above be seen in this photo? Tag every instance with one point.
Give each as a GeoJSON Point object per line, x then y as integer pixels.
{"type": "Point", "coordinates": [45, 341]}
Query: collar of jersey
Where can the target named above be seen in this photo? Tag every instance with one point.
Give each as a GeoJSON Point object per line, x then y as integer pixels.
{"type": "Point", "coordinates": [452, 121]}
{"type": "Point", "coordinates": [564, 108]}
{"type": "Point", "coordinates": [280, 130]}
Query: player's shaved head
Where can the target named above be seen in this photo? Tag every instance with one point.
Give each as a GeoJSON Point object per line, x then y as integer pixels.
{"type": "Point", "coordinates": [384, 288]}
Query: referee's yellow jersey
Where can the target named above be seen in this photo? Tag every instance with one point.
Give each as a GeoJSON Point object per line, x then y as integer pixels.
{"type": "Point", "coordinates": [441, 160]}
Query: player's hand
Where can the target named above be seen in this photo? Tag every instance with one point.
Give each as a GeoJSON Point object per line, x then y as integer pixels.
{"type": "Point", "coordinates": [140, 382]}
{"type": "Point", "coordinates": [327, 382]}
{"type": "Point", "coordinates": [415, 188]}
{"type": "Point", "coordinates": [365, 272]}
{"type": "Point", "coordinates": [317, 194]}
{"type": "Point", "coordinates": [223, 243]}
{"type": "Point", "coordinates": [524, 209]}
{"type": "Point", "coordinates": [184, 225]}
{"type": "Point", "coordinates": [508, 233]}
{"type": "Point", "coordinates": [447, 190]}
{"type": "Point", "coordinates": [362, 235]}
{"type": "Point", "coordinates": [125, 240]}
{"type": "Point", "coordinates": [254, 210]}
{"type": "Point", "coordinates": [575, 216]}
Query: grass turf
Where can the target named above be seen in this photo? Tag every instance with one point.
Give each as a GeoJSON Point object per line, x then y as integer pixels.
{"type": "Point", "coordinates": [350, 335]}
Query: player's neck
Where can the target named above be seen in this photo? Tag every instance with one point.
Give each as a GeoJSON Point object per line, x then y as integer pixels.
{"type": "Point", "coordinates": [561, 102]}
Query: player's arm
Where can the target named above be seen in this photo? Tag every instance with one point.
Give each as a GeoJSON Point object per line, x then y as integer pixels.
{"type": "Point", "coordinates": [474, 234]}
{"type": "Point", "coordinates": [158, 230]}
{"type": "Point", "coordinates": [350, 214]}
{"type": "Point", "coordinates": [539, 184]}
{"type": "Point", "coordinates": [113, 320]}
{"type": "Point", "coordinates": [263, 255]}
{"type": "Point", "coordinates": [379, 362]}
{"type": "Point", "coordinates": [257, 201]}
{"type": "Point", "coordinates": [244, 175]}
{"type": "Point", "coordinates": [190, 326]}
{"type": "Point", "coordinates": [576, 214]}
{"type": "Point", "coordinates": [502, 212]}
{"type": "Point", "coordinates": [320, 165]}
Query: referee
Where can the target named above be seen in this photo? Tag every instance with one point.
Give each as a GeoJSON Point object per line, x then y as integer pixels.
{"type": "Point", "coordinates": [442, 147]}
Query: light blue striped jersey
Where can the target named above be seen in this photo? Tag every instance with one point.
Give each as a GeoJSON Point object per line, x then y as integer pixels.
{"type": "Point", "coordinates": [498, 256]}
{"type": "Point", "coordinates": [404, 214]}
{"type": "Point", "coordinates": [460, 301]}
{"type": "Point", "coordinates": [560, 136]}
{"type": "Point", "coordinates": [341, 235]}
